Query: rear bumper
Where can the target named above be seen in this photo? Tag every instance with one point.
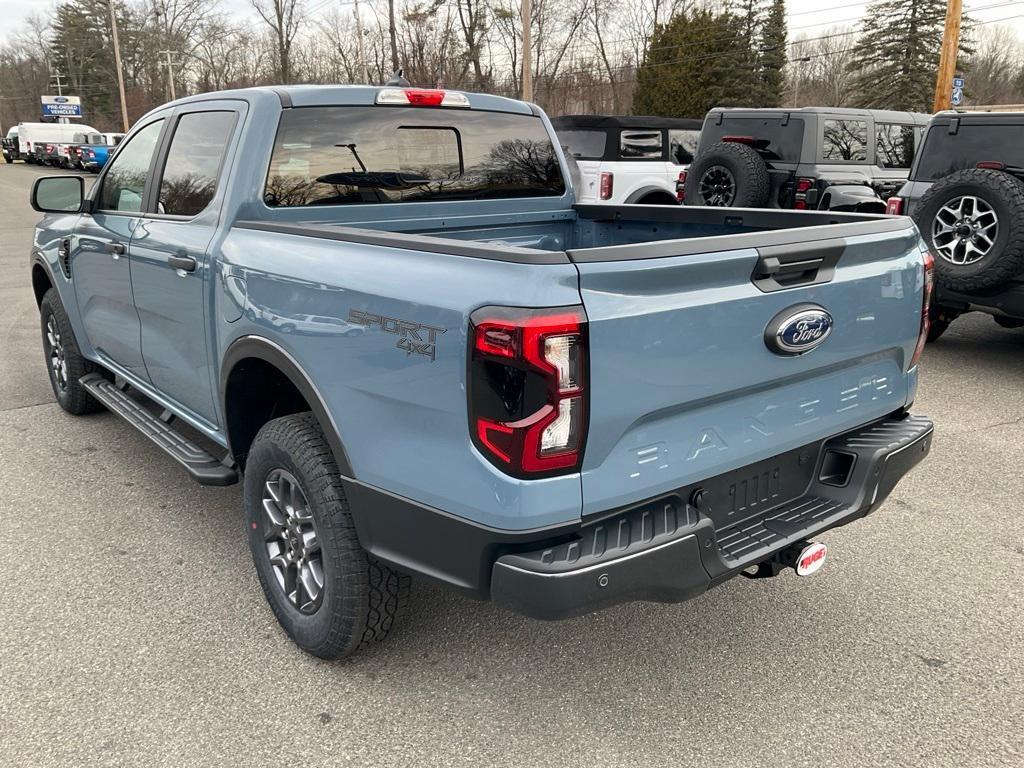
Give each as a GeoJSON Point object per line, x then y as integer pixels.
{"type": "Point", "coordinates": [668, 550]}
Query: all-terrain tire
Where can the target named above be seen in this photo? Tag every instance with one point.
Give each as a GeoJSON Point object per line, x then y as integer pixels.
{"type": "Point", "coordinates": [1005, 258]}
{"type": "Point", "coordinates": [361, 596]}
{"type": "Point", "coordinates": [64, 380]}
{"type": "Point", "coordinates": [751, 184]}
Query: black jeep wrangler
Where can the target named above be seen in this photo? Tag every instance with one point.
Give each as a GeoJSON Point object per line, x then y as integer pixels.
{"type": "Point", "coordinates": [966, 194]}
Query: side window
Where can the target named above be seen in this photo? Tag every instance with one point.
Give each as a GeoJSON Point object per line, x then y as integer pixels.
{"type": "Point", "coordinates": [189, 178]}
{"type": "Point", "coordinates": [682, 146]}
{"type": "Point", "coordinates": [845, 140]}
{"type": "Point", "coordinates": [126, 179]}
{"type": "Point", "coordinates": [894, 147]}
{"type": "Point", "coordinates": [640, 145]}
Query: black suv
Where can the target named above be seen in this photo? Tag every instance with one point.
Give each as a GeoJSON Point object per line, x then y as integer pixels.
{"type": "Point", "coordinates": [966, 194]}
{"type": "Point", "coordinates": [818, 158]}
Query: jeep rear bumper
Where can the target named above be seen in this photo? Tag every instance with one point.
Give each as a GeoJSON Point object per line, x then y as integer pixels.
{"type": "Point", "coordinates": [678, 545]}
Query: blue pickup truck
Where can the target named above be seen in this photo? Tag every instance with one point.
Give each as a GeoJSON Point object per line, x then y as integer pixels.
{"type": "Point", "coordinates": [380, 310]}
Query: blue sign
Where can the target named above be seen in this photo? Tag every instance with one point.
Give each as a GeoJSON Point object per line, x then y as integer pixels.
{"type": "Point", "coordinates": [958, 97]}
{"type": "Point", "coordinates": [61, 106]}
{"type": "Point", "coordinates": [958, 82]}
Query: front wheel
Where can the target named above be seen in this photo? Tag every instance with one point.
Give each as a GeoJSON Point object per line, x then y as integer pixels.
{"type": "Point", "coordinates": [64, 361]}
{"type": "Point", "coordinates": [327, 593]}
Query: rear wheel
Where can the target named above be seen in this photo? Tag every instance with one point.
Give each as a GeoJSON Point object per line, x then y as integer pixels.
{"type": "Point", "coordinates": [327, 593]}
{"type": "Point", "coordinates": [728, 175]}
{"type": "Point", "coordinates": [64, 361]}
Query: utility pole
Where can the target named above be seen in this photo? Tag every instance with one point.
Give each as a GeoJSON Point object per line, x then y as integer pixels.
{"type": "Point", "coordinates": [947, 60]}
{"type": "Point", "coordinates": [60, 92]}
{"type": "Point", "coordinates": [170, 71]}
{"type": "Point", "coordinates": [527, 14]}
{"type": "Point", "coordinates": [117, 64]}
{"type": "Point", "coordinates": [359, 35]}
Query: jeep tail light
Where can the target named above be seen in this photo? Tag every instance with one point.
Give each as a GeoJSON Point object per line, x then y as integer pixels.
{"type": "Point", "coordinates": [991, 165]}
{"type": "Point", "coordinates": [894, 206]}
{"type": "Point", "coordinates": [681, 187]}
{"type": "Point", "coordinates": [607, 185]}
{"type": "Point", "coordinates": [926, 301]}
{"type": "Point", "coordinates": [421, 97]}
{"type": "Point", "coordinates": [803, 186]}
{"type": "Point", "coordinates": [527, 388]}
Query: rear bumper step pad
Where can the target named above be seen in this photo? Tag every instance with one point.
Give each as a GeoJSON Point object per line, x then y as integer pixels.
{"type": "Point", "coordinates": [666, 550]}
{"type": "Point", "coordinates": [204, 467]}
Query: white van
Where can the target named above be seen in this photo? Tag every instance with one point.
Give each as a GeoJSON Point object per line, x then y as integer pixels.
{"type": "Point", "coordinates": [34, 138]}
{"type": "Point", "coordinates": [628, 159]}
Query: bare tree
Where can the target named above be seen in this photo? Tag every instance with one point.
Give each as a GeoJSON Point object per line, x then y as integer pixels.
{"type": "Point", "coordinates": [284, 17]}
{"type": "Point", "coordinates": [995, 67]}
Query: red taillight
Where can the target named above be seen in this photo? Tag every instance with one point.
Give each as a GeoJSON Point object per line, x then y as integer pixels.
{"type": "Point", "coordinates": [607, 185]}
{"type": "Point", "coordinates": [894, 206]}
{"type": "Point", "coordinates": [748, 140]}
{"type": "Point", "coordinates": [928, 262]}
{"type": "Point", "coordinates": [991, 165]}
{"type": "Point", "coordinates": [681, 187]}
{"type": "Point", "coordinates": [527, 388]}
{"type": "Point", "coordinates": [803, 186]}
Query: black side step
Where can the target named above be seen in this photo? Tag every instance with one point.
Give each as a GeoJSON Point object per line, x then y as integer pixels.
{"type": "Point", "coordinates": [204, 467]}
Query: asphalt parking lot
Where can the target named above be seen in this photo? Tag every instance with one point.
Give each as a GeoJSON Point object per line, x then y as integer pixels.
{"type": "Point", "coordinates": [133, 631]}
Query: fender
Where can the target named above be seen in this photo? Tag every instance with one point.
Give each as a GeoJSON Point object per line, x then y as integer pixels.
{"type": "Point", "coordinates": [263, 349]}
{"type": "Point", "coordinates": [850, 197]}
{"type": "Point", "coordinates": [638, 194]}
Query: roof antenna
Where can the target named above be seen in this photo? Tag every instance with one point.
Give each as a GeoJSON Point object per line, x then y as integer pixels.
{"type": "Point", "coordinates": [398, 80]}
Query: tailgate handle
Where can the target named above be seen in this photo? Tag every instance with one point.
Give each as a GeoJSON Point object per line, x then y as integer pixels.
{"type": "Point", "coordinates": [788, 266]}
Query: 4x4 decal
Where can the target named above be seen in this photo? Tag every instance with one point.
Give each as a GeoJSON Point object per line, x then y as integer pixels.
{"type": "Point", "coordinates": [414, 338]}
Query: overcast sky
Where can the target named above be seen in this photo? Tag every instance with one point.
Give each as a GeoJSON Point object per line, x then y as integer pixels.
{"type": "Point", "coordinates": [805, 16]}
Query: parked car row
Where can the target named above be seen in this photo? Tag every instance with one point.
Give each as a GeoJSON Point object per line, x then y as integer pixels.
{"type": "Point", "coordinates": [59, 145]}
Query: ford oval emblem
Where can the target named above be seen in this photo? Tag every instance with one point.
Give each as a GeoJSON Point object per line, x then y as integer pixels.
{"type": "Point", "coordinates": [798, 329]}
{"type": "Point", "coordinates": [60, 99]}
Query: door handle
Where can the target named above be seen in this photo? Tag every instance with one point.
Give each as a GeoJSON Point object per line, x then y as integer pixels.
{"type": "Point", "coordinates": [184, 263]}
{"type": "Point", "coordinates": [116, 249]}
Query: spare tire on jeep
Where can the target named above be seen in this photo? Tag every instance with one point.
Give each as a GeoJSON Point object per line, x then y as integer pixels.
{"type": "Point", "coordinates": [728, 175]}
{"type": "Point", "coordinates": [973, 221]}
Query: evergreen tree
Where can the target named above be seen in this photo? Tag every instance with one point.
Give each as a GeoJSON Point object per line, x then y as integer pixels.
{"type": "Point", "coordinates": [897, 54]}
{"type": "Point", "coordinates": [691, 65]}
{"type": "Point", "coordinates": [772, 58]}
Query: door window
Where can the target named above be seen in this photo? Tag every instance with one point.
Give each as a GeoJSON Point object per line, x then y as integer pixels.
{"type": "Point", "coordinates": [640, 145]}
{"type": "Point", "coordinates": [125, 182]}
{"type": "Point", "coordinates": [683, 145]}
{"type": "Point", "coordinates": [894, 147]}
{"type": "Point", "coordinates": [845, 140]}
{"type": "Point", "coordinates": [194, 159]}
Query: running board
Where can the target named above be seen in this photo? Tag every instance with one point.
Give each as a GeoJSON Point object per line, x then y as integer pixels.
{"type": "Point", "coordinates": [204, 467]}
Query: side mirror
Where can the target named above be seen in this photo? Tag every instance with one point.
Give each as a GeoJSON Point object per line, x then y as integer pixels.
{"type": "Point", "coordinates": [58, 194]}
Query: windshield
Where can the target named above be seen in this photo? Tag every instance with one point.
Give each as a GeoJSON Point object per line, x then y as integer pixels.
{"type": "Point", "coordinates": [352, 155]}
{"type": "Point", "coordinates": [943, 153]}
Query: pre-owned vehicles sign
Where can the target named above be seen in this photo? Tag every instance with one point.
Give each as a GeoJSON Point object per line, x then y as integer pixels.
{"type": "Point", "coordinates": [61, 106]}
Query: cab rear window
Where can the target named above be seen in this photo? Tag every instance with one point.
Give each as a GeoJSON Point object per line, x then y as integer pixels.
{"type": "Point", "coordinates": [355, 155]}
{"type": "Point", "coordinates": [943, 153]}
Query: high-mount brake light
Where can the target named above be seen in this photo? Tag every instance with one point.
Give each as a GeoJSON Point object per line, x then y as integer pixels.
{"type": "Point", "coordinates": [928, 262]}
{"type": "Point", "coordinates": [527, 388]}
{"type": "Point", "coordinates": [894, 206]}
{"type": "Point", "coordinates": [422, 97]}
{"type": "Point", "coordinates": [991, 165]}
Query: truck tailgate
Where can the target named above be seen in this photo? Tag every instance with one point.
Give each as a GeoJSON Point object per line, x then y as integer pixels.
{"type": "Point", "coordinates": [683, 384]}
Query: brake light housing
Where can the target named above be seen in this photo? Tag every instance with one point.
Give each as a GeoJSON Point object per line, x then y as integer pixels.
{"type": "Point", "coordinates": [681, 187]}
{"type": "Point", "coordinates": [894, 206]}
{"type": "Point", "coordinates": [421, 97]}
{"type": "Point", "coordinates": [607, 185]}
{"type": "Point", "coordinates": [803, 186]}
{"type": "Point", "coordinates": [527, 389]}
{"type": "Point", "coordinates": [928, 263]}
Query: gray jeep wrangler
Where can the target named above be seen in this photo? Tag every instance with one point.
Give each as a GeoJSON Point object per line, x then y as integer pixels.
{"type": "Point", "coordinates": [812, 158]}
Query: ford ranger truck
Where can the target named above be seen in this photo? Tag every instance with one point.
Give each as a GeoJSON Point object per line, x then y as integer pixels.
{"type": "Point", "coordinates": [382, 312]}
